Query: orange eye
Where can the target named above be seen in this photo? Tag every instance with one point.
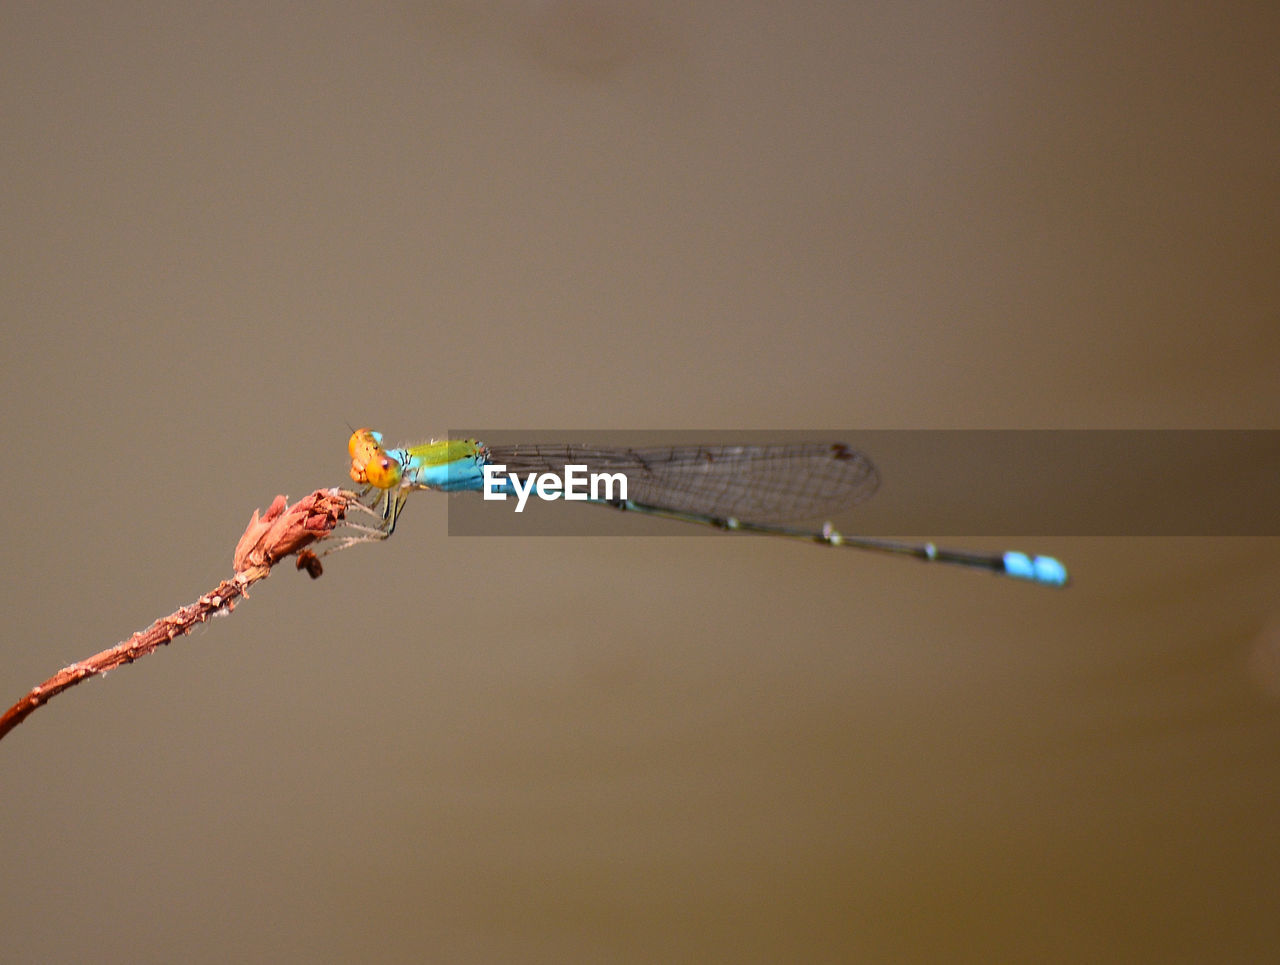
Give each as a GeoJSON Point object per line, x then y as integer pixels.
{"type": "Point", "coordinates": [382, 472]}
{"type": "Point", "coordinates": [364, 443]}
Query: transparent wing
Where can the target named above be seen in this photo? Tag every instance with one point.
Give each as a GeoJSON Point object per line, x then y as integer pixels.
{"type": "Point", "coordinates": [760, 483]}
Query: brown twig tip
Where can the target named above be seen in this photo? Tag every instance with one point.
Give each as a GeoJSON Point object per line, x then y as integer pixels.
{"type": "Point", "coordinates": [284, 530]}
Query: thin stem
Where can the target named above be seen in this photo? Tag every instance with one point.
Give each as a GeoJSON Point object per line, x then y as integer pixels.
{"type": "Point", "coordinates": [280, 532]}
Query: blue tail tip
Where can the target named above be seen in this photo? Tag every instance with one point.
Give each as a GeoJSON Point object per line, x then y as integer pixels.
{"type": "Point", "coordinates": [1038, 569]}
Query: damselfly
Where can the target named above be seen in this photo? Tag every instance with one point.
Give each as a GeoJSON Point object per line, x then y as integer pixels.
{"type": "Point", "coordinates": [751, 489]}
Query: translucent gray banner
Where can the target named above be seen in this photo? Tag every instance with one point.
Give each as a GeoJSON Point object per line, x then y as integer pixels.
{"type": "Point", "coordinates": [942, 483]}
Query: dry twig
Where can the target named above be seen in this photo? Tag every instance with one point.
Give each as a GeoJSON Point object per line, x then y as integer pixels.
{"type": "Point", "coordinates": [281, 531]}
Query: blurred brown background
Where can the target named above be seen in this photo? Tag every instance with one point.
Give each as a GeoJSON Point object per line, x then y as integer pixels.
{"type": "Point", "coordinates": [231, 230]}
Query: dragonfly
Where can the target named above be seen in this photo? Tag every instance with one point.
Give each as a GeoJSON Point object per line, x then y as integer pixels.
{"type": "Point", "coordinates": [742, 488]}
